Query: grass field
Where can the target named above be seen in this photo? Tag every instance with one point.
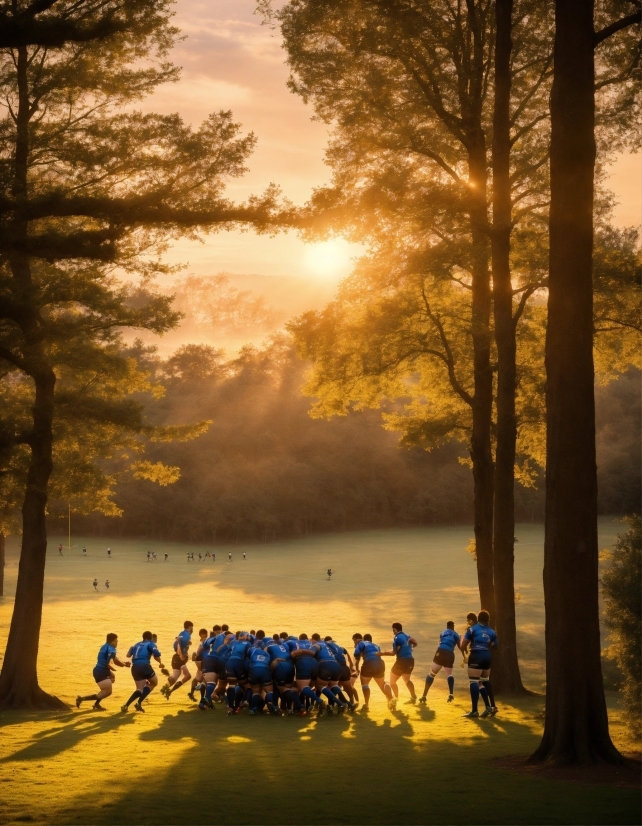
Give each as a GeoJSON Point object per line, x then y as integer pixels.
{"type": "Point", "coordinates": [176, 765]}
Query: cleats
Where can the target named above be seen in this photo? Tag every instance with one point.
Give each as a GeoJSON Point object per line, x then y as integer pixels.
{"type": "Point", "coordinates": [230, 712]}
{"type": "Point", "coordinates": [493, 711]}
{"type": "Point", "coordinates": [271, 708]}
{"type": "Point", "coordinates": [252, 711]}
{"type": "Point", "coordinates": [201, 706]}
{"type": "Point", "coordinates": [78, 701]}
{"type": "Point", "coordinates": [364, 709]}
{"type": "Point", "coordinates": [486, 712]}
{"type": "Point", "coordinates": [98, 707]}
{"type": "Point", "coordinates": [320, 708]}
{"type": "Point", "coordinates": [451, 697]}
{"type": "Point", "coordinates": [124, 708]}
{"type": "Point", "coordinates": [139, 707]}
{"type": "Point", "coordinates": [191, 696]}
{"type": "Point", "coordinates": [411, 702]}
{"type": "Point", "coordinates": [422, 700]}
{"type": "Point", "coordinates": [471, 714]}
{"type": "Point", "coordinates": [302, 713]}
{"type": "Point", "coordinates": [392, 704]}
{"type": "Point", "coordinates": [164, 690]}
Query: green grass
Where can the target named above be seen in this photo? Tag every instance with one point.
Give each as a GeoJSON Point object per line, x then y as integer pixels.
{"type": "Point", "coordinates": [176, 765]}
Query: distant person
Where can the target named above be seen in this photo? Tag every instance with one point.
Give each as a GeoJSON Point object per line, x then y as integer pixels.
{"type": "Point", "coordinates": [229, 556]}
{"type": "Point", "coordinates": [402, 647]}
{"type": "Point", "coordinates": [213, 557]}
{"type": "Point", "coordinates": [142, 672]}
{"type": "Point", "coordinates": [95, 584]}
{"type": "Point", "coordinates": [330, 572]}
{"type": "Point", "coordinates": [149, 556]}
{"type": "Point", "coordinates": [179, 661]}
{"type": "Point", "coordinates": [166, 555]}
{"type": "Point", "coordinates": [188, 557]}
{"type": "Point", "coordinates": [107, 584]}
{"type": "Point", "coordinates": [109, 552]}
{"type": "Point", "coordinates": [444, 658]}
{"type": "Point", "coordinates": [84, 551]}
{"type": "Point", "coordinates": [60, 549]}
{"type": "Point", "coordinates": [481, 639]}
{"type": "Point", "coordinates": [244, 555]}
{"type": "Point", "coordinates": [103, 673]}
{"type": "Point", "coordinates": [373, 668]}
{"type": "Point", "coordinates": [200, 558]}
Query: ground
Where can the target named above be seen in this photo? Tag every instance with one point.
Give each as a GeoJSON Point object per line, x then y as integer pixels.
{"type": "Point", "coordinates": [177, 765]}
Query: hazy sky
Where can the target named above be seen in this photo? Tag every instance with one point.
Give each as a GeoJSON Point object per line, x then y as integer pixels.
{"type": "Point", "coordinates": [231, 61]}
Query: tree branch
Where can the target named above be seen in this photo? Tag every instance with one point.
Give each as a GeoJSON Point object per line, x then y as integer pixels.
{"type": "Point", "coordinates": [622, 23]}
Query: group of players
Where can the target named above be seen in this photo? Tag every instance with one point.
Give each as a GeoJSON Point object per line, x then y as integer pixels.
{"type": "Point", "coordinates": [283, 674]}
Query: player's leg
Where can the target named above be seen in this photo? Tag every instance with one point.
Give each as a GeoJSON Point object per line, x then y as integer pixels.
{"type": "Point", "coordinates": [451, 684]}
{"type": "Point", "coordinates": [409, 667]}
{"type": "Point", "coordinates": [365, 688]}
{"type": "Point", "coordinates": [473, 677]}
{"type": "Point", "coordinates": [186, 676]}
{"type": "Point", "coordinates": [487, 693]}
{"type": "Point", "coordinates": [435, 668]}
{"type": "Point", "coordinates": [150, 684]}
{"type": "Point", "coordinates": [140, 685]}
{"type": "Point", "coordinates": [385, 688]}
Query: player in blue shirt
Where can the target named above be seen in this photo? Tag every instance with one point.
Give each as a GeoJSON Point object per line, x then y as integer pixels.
{"type": "Point", "coordinates": [402, 647]}
{"type": "Point", "coordinates": [345, 677]}
{"type": "Point", "coordinates": [197, 657]}
{"type": "Point", "coordinates": [179, 661]}
{"type": "Point", "coordinates": [481, 639]}
{"type": "Point", "coordinates": [328, 675]}
{"type": "Point", "coordinates": [306, 669]}
{"type": "Point", "coordinates": [236, 669]}
{"type": "Point", "coordinates": [260, 679]}
{"type": "Point", "coordinates": [144, 676]}
{"type": "Point", "coordinates": [444, 658]}
{"type": "Point", "coordinates": [372, 668]}
{"type": "Point", "coordinates": [282, 668]}
{"type": "Point", "coordinates": [104, 673]}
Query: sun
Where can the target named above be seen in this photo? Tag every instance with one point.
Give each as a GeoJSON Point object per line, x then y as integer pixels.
{"type": "Point", "coordinates": [329, 258]}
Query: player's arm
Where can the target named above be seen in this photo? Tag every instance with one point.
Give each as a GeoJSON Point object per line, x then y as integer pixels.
{"type": "Point", "coordinates": [120, 663]}
{"type": "Point", "coordinates": [413, 642]}
{"type": "Point", "coordinates": [464, 645]}
{"type": "Point", "coordinates": [386, 653]}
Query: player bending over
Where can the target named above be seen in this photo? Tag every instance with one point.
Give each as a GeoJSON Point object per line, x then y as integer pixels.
{"type": "Point", "coordinates": [444, 658]}
{"type": "Point", "coordinates": [402, 648]}
{"type": "Point", "coordinates": [103, 673]}
{"type": "Point", "coordinates": [373, 668]}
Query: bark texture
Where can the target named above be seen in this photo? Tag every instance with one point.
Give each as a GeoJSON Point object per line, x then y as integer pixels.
{"type": "Point", "coordinates": [576, 723]}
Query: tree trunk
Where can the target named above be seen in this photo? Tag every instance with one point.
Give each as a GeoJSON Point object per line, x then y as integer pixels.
{"type": "Point", "coordinates": [576, 724]}
{"type": "Point", "coordinates": [482, 406]}
{"type": "Point", "coordinates": [2, 562]}
{"type": "Point", "coordinates": [19, 677]}
{"type": "Point", "coordinates": [506, 676]}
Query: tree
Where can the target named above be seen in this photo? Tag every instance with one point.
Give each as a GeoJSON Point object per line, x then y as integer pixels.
{"type": "Point", "coordinates": [90, 192]}
{"type": "Point", "coordinates": [576, 724]}
{"type": "Point", "coordinates": [623, 615]}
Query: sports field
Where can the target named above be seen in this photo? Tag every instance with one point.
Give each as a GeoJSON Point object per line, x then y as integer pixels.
{"type": "Point", "coordinates": [177, 765]}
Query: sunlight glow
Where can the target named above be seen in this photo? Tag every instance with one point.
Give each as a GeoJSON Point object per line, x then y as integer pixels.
{"type": "Point", "coordinates": [329, 258]}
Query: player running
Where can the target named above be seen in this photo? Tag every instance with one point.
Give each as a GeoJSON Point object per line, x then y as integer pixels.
{"type": "Point", "coordinates": [103, 673]}
{"type": "Point", "coordinates": [60, 549]}
{"type": "Point", "coordinates": [444, 658]}
{"type": "Point", "coordinates": [179, 661]}
{"type": "Point", "coordinates": [373, 668]}
{"type": "Point", "coordinates": [402, 648]}
{"type": "Point", "coordinates": [197, 657]}
{"type": "Point", "coordinates": [144, 675]}
{"type": "Point", "coordinates": [481, 639]}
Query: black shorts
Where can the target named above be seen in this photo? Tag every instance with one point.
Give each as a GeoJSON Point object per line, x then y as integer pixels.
{"type": "Point", "coordinates": [373, 668]}
{"type": "Point", "coordinates": [306, 668]}
{"type": "Point", "coordinates": [260, 676]}
{"type": "Point", "coordinates": [101, 674]}
{"type": "Point", "coordinates": [404, 665]}
{"type": "Point", "coordinates": [479, 660]}
{"type": "Point", "coordinates": [444, 658]}
{"type": "Point", "coordinates": [235, 670]}
{"type": "Point", "coordinates": [329, 671]}
{"type": "Point", "coordinates": [199, 664]}
{"type": "Point", "coordinates": [177, 662]}
{"type": "Point", "coordinates": [209, 665]}
{"type": "Point", "coordinates": [283, 674]}
{"type": "Point", "coordinates": [142, 671]}
{"type": "Point", "coordinates": [345, 674]}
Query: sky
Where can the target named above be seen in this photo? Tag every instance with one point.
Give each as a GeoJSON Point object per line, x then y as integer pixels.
{"type": "Point", "coordinates": [230, 61]}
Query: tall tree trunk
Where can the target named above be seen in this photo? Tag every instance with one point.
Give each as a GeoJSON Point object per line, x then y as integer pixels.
{"type": "Point", "coordinates": [576, 725]}
{"type": "Point", "coordinates": [2, 562]}
{"type": "Point", "coordinates": [482, 406]}
{"type": "Point", "coordinates": [506, 676]}
{"type": "Point", "coordinates": [19, 677]}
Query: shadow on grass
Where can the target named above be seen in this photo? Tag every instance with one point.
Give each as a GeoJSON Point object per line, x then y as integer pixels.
{"type": "Point", "coordinates": [350, 769]}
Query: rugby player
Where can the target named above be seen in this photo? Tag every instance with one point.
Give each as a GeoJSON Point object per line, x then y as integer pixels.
{"type": "Point", "coordinates": [328, 675]}
{"type": "Point", "coordinates": [103, 672]}
{"type": "Point", "coordinates": [282, 668]}
{"type": "Point", "coordinates": [236, 669]}
{"type": "Point", "coordinates": [373, 668]}
{"type": "Point", "coordinates": [197, 657]}
{"type": "Point", "coordinates": [95, 584]}
{"type": "Point", "coordinates": [402, 648]}
{"type": "Point", "coordinates": [179, 661]}
{"type": "Point", "coordinates": [260, 679]}
{"type": "Point", "coordinates": [444, 658]}
{"type": "Point", "coordinates": [306, 668]}
{"type": "Point", "coordinates": [481, 639]}
{"type": "Point", "coordinates": [345, 680]}
{"type": "Point", "coordinates": [144, 675]}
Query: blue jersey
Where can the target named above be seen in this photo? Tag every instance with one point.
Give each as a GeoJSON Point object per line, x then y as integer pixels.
{"type": "Point", "coordinates": [401, 646]}
{"type": "Point", "coordinates": [323, 653]}
{"type": "Point", "coordinates": [258, 658]}
{"type": "Point", "coordinates": [448, 639]}
{"type": "Point", "coordinates": [238, 649]}
{"type": "Point", "coordinates": [277, 651]}
{"type": "Point", "coordinates": [182, 641]}
{"type": "Point", "coordinates": [209, 646]}
{"type": "Point", "coordinates": [262, 643]}
{"type": "Point", "coordinates": [143, 651]}
{"type": "Point", "coordinates": [291, 643]}
{"type": "Point", "coordinates": [481, 637]}
{"type": "Point", "coordinates": [367, 650]}
{"type": "Point", "coordinates": [338, 651]}
{"type": "Point", "coordinates": [222, 649]}
{"type": "Point", "coordinates": [105, 655]}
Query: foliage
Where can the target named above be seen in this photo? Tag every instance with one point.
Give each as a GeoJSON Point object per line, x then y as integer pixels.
{"type": "Point", "coordinates": [623, 615]}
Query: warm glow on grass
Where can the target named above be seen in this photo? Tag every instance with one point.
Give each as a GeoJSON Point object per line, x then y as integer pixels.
{"type": "Point", "coordinates": [329, 258]}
